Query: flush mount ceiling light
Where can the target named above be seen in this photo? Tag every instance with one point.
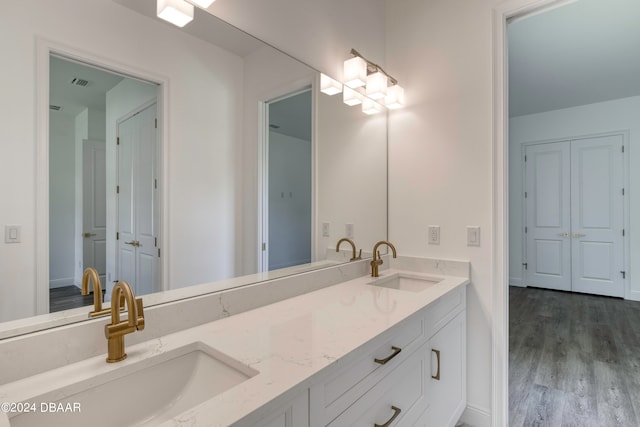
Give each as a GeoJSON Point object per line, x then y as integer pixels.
{"type": "Point", "coordinates": [329, 85]}
{"type": "Point", "coordinates": [202, 3]}
{"type": "Point", "coordinates": [178, 12]}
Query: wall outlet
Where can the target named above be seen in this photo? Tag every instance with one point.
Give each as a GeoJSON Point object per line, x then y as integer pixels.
{"type": "Point", "coordinates": [473, 236]}
{"type": "Point", "coordinates": [12, 233]}
{"type": "Point", "coordinates": [348, 230]}
{"type": "Point", "coordinates": [326, 227]}
{"type": "Point", "coordinates": [434, 235]}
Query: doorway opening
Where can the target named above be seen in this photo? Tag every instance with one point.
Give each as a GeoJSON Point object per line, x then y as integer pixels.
{"type": "Point", "coordinates": [287, 181]}
{"type": "Point", "coordinates": [86, 104]}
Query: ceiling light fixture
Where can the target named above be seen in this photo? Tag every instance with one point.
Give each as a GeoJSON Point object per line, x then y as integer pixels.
{"type": "Point", "coordinates": [178, 12]}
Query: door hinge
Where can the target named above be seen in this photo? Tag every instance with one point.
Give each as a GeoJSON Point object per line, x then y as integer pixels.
{"type": "Point", "coordinates": [118, 141]}
{"type": "Point", "coordinates": [525, 159]}
{"type": "Point", "coordinates": [117, 235]}
{"type": "Point", "coordinates": [526, 230]}
{"type": "Point", "coordinates": [525, 265]}
{"type": "Point", "coordinates": [155, 184]}
{"type": "Point", "coordinates": [623, 232]}
{"type": "Point", "coordinates": [155, 242]}
{"type": "Point", "coordinates": [156, 123]}
{"type": "Point", "coordinates": [624, 274]}
{"type": "Point", "coordinates": [525, 194]}
{"type": "Point", "coordinates": [623, 148]}
{"type": "Point", "coordinates": [623, 191]}
{"type": "Point", "coordinates": [264, 246]}
{"type": "Point", "coordinates": [117, 189]}
{"type": "Point", "coordinates": [158, 252]}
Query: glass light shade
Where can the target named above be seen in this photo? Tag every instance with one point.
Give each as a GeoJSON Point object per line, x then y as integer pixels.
{"type": "Point", "coordinates": [329, 85]}
{"type": "Point", "coordinates": [352, 97]}
{"type": "Point", "coordinates": [355, 72]}
{"type": "Point", "coordinates": [394, 98]}
{"type": "Point", "coordinates": [376, 85]}
{"type": "Point", "coordinates": [178, 12]}
{"type": "Point", "coordinates": [203, 3]}
{"type": "Point", "coordinates": [369, 106]}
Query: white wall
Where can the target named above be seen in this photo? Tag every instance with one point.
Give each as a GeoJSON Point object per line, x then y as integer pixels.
{"type": "Point", "coordinates": [440, 154]}
{"type": "Point", "coordinates": [61, 199]}
{"type": "Point", "coordinates": [204, 82]}
{"type": "Point", "coordinates": [610, 116]}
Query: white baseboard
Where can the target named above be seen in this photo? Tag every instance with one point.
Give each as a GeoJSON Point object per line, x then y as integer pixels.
{"type": "Point", "coordinates": [634, 296]}
{"type": "Point", "coordinates": [59, 283]}
{"type": "Point", "coordinates": [476, 416]}
{"type": "Point", "coordinates": [517, 281]}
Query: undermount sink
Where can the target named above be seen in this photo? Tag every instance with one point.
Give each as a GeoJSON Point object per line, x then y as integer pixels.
{"type": "Point", "coordinates": [406, 282]}
{"type": "Point", "coordinates": [148, 393]}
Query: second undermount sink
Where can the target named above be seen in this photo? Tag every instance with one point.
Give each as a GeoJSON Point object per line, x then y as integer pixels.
{"type": "Point", "coordinates": [406, 282]}
{"type": "Point", "coordinates": [151, 392]}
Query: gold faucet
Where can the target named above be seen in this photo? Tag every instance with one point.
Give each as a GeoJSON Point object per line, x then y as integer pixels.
{"type": "Point", "coordinates": [377, 261]}
{"type": "Point", "coordinates": [353, 248]}
{"type": "Point", "coordinates": [116, 331]}
{"type": "Point", "coordinates": [90, 274]}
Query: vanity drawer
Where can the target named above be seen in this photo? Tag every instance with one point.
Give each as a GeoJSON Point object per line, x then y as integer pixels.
{"type": "Point", "coordinates": [443, 310]}
{"type": "Point", "coordinates": [400, 395]}
{"type": "Point", "coordinates": [345, 385]}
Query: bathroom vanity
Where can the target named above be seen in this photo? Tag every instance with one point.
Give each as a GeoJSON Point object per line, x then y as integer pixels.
{"type": "Point", "coordinates": [387, 351]}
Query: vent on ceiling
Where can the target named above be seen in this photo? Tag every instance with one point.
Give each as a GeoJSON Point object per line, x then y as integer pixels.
{"type": "Point", "coordinates": [77, 81]}
{"type": "Point", "coordinates": [55, 107]}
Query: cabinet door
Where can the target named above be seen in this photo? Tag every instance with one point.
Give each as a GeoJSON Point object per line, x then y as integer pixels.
{"type": "Point", "coordinates": [293, 414]}
{"type": "Point", "coordinates": [447, 388]}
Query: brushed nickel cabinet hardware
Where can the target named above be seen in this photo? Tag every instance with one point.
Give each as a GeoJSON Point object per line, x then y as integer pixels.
{"type": "Point", "coordinates": [578, 235]}
{"type": "Point", "coordinates": [437, 375]}
{"type": "Point", "coordinates": [87, 235]}
{"type": "Point", "coordinates": [396, 412]}
{"type": "Point", "coordinates": [396, 351]}
{"type": "Point", "coordinates": [133, 243]}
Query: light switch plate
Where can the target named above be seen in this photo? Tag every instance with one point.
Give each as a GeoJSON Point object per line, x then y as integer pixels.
{"type": "Point", "coordinates": [12, 233]}
{"type": "Point", "coordinates": [348, 230]}
{"type": "Point", "coordinates": [434, 235]}
{"type": "Point", "coordinates": [326, 227]}
{"type": "Point", "coordinates": [473, 236]}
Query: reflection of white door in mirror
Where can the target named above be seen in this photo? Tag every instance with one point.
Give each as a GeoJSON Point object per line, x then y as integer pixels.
{"type": "Point", "coordinates": [94, 207]}
{"type": "Point", "coordinates": [137, 260]}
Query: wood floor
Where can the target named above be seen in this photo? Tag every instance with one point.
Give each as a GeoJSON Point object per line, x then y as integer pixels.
{"type": "Point", "coordinates": [68, 297]}
{"type": "Point", "coordinates": [574, 359]}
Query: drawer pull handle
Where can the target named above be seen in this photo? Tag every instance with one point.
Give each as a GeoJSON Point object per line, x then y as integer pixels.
{"type": "Point", "coordinates": [396, 350]}
{"type": "Point", "coordinates": [437, 375]}
{"type": "Point", "coordinates": [396, 412]}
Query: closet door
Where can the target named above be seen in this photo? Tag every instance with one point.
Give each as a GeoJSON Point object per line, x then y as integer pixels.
{"type": "Point", "coordinates": [597, 215]}
{"type": "Point", "coordinates": [548, 216]}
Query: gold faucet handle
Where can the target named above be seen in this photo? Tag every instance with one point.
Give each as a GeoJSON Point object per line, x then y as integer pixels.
{"type": "Point", "coordinates": [140, 310]}
{"type": "Point", "coordinates": [357, 257]}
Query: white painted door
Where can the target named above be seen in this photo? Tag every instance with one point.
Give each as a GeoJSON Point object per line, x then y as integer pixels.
{"type": "Point", "coordinates": [597, 215]}
{"type": "Point", "coordinates": [94, 207]}
{"type": "Point", "coordinates": [575, 215]}
{"type": "Point", "coordinates": [137, 260]}
{"type": "Point", "coordinates": [548, 224]}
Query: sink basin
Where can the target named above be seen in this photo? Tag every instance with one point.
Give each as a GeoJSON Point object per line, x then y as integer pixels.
{"type": "Point", "coordinates": [406, 282]}
{"type": "Point", "coordinates": [147, 393]}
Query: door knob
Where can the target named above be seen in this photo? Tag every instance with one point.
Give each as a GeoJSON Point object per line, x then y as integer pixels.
{"type": "Point", "coordinates": [87, 235]}
{"type": "Point", "coordinates": [578, 235]}
{"type": "Point", "coordinates": [565, 234]}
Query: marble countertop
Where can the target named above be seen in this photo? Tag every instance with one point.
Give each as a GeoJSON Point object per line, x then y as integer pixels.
{"type": "Point", "coordinates": [287, 343]}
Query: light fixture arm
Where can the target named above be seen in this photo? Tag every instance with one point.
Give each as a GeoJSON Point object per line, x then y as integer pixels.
{"type": "Point", "coordinates": [373, 67]}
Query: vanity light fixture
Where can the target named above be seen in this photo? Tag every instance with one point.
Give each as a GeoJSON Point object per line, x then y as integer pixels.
{"type": "Point", "coordinates": [329, 85]}
{"type": "Point", "coordinates": [355, 71]}
{"type": "Point", "coordinates": [178, 12]}
{"type": "Point", "coordinates": [202, 3]}
{"type": "Point", "coordinates": [352, 96]}
{"type": "Point", "coordinates": [394, 98]}
{"type": "Point", "coordinates": [369, 106]}
{"type": "Point", "coordinates": [377, 85]}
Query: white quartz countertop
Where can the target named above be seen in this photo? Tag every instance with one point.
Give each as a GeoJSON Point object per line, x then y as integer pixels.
{"type": "Point", "coordinates": [287, 343]}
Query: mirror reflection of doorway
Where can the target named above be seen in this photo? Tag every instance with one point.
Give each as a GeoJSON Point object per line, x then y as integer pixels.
{"type": "Point", "coordinates": [289, 169]}
{"type": "Point", "coordinates": [85, 103]}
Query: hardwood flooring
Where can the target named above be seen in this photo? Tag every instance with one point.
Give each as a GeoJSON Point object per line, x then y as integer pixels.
{"type": "Point", "coordinates": [68, 297]}
{"type": "Point", "coordinates": [574, 359]}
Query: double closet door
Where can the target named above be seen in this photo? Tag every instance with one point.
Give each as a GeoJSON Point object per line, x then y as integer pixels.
{"type": "Point", "coordinates": [574, 208]}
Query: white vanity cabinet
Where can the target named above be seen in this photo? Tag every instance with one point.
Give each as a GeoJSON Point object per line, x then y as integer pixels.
{"type": "Point", "coordinates": [419, 377]}
{"type": "Point", "coordinates": [294, 413]}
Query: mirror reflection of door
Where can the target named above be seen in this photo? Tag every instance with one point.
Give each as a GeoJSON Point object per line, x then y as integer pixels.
{"type": "Point", "coordinates": [85, 103]}
{"type": "Point", "coordinates": [289, 211]}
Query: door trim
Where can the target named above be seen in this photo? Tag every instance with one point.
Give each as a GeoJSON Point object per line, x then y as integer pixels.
{"type": "Point", "coordinates": [625, 134]}
{"type": "Point", "coordinates": [44, 49]}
